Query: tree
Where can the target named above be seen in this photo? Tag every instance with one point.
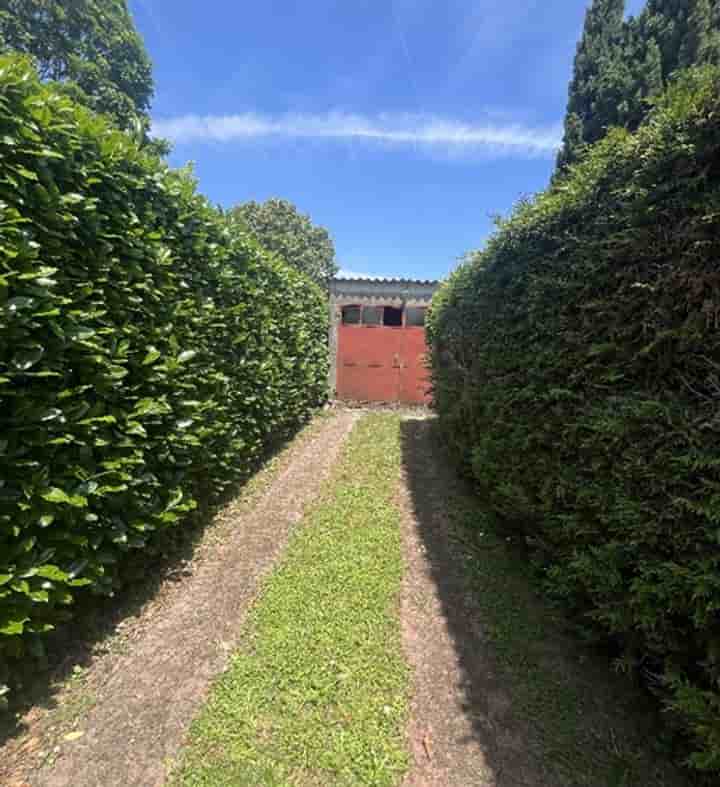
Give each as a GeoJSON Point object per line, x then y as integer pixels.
{"type": "Point", "coordinates": [573, 141]}
{"type": "Point", "coordinates": [622, 63]}
{"type": "Point", "coordinates": [598, 77]}
{"type": "Point", "coordinates": [665, 21]}
{"type": "Point", "coordinates": [714, 46]}
{"type": "Point", "coordinates": [696, 46]}
{"type": "Point", "coordinates": [651, 71]}
{"type": "Point", "coordinates": [279, 227]}
{"type": "Point", "coordinates": [91, 46]}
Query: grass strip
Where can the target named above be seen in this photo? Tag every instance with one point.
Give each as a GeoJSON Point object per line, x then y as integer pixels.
{"type": "Point", "coordinates": [592, 727]}
{"type": "Point", "coordinates": [317, 693]}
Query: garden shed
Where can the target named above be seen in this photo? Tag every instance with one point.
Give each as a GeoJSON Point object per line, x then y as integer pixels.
{"type": "Point", "coordinates": [377, 339]}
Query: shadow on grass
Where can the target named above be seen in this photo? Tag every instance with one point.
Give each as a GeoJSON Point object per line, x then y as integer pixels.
{"type": "Point", "coordinates": [566, 716]}
{"type": "Point", "coordinates": [71, 647]}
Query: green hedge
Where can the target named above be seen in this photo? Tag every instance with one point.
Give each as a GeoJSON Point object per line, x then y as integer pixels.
{"type": "Point", "coordinates": [576, 364]}
{"type": "Point", "coordinates": [149, 352]}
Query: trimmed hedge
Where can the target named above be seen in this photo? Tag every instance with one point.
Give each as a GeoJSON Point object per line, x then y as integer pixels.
{"type": "Point", "coordinates": [149, 352]}
{"type": "Point", "coordinates": [576, 365]}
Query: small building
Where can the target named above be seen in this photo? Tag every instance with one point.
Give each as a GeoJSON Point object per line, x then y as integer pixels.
{"type": "Point", "coordinates": [377, 339]}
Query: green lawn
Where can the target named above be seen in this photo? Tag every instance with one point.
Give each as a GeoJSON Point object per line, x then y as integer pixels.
{"type": "Point", "coordinates": [317, 694]}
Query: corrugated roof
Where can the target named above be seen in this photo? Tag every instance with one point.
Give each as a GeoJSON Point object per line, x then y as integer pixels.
{"type": "Point", "coordinates": [386, 280]}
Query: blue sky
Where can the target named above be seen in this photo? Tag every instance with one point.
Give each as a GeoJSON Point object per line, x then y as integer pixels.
{"type": "Point", "coordinates": [402, 126]}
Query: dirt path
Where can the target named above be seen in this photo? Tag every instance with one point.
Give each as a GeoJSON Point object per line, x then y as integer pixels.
{"type": "Point", "coordinates": [470, 723]}
{"type": "Point", "coordinates": [461, 730]}
{"type": "Point", "coordinates": [147, 696]}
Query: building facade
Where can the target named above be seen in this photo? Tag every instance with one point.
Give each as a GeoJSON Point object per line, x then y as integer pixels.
{"type": "Point", "coordinates": [377, 339]}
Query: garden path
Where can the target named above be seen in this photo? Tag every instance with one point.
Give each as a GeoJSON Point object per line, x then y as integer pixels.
{"type": "Point", "coordinates": [499, 695]}
{"type": "Point", "coordinates": [144, 697]}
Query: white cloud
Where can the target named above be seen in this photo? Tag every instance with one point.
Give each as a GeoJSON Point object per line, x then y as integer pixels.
{"type": "Point", "coordinates": [398, 130]}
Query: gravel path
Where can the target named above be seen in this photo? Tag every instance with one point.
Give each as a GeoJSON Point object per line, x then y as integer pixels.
{"type": "Point", "coordinates": [147, 696]}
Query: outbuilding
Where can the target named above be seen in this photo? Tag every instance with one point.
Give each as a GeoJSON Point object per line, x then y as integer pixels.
{"type": "Point", "coordinates": [377, 339]}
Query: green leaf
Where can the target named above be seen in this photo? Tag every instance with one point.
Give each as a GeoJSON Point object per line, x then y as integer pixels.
{"type": "Point", "coordinates": [80, 582]}
{"type": "Point", "coordinates": [39, 273]}
{"type": "Point", "coordinates": [72, 198]}
{"type": "Point", "coordinates": [136, 429]}
{"type": "Point", "coordinates": [13, 627]}
{"type": "Point", "coordinates": [51, 572]}
{"type": "Point", "coordinates": [56, 495]}
{"type": "Point", "coordinates": [150, 407]}
{"type": "Point", "coordinates": [26, 173]}
{"type": "Point", "coordinates": [152, 355]}
{"type": "Point", "coordinates": [100, 419]}
{"type": "Point", "coordinates": [81, 334]}
{"type": "Point", "coordinates": [175, 499]}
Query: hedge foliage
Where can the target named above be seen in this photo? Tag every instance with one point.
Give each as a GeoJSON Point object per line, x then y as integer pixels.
{"type": "Point", "coordinates": [576, 364]}
{"type": "Point", "coordinates": [148, 351]}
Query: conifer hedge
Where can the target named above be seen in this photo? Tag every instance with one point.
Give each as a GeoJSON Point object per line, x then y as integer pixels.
{"type": "Point", "coordinates": [148, 352]}
{"type": "Point", "coordinates": [576, 366]}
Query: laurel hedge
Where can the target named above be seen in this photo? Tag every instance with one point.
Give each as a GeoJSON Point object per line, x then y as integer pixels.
{"type": "Point", "coordinates": [576, 368]}
{"type": "Point", "coordinates": [149, 352]}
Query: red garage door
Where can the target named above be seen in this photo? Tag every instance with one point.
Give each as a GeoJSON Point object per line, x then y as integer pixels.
{"type": "Point", "coordinates": [381, 355]}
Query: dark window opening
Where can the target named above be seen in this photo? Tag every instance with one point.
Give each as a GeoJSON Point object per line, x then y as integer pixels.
{"type": "Point", "coordinates": [392, 317]}
{"type": "Point", "coordinates": [351, 315]}
{"type": "Point", "coordinates": [415, 317]}
{"type": "Point", "coordinates": [372, 315]}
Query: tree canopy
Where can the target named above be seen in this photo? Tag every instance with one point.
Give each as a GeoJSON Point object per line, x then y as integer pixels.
{"type": "Point", "coordinates": [621, 64]}
{"type": "Point", "coordinates": [90, 45]}
{"type": "Point", "coordinates": [279, 227]}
